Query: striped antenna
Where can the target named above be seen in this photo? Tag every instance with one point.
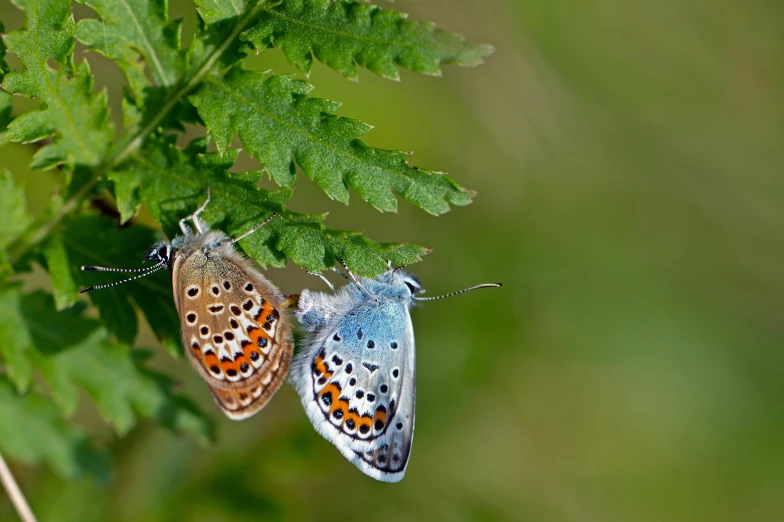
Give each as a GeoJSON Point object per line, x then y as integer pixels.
{"type": "Point", "coordinates": [144, 272]}
{"type": "Point", "coordinates": [486, 285]}
{"type": "Point", "coordinates": [104, 269]}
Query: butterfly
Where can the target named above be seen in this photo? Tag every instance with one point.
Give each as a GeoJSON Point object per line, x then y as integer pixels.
{"type": "Point", "coordinates": [234, 329]}
{"type": "Point", "coordinates": [356, 373]}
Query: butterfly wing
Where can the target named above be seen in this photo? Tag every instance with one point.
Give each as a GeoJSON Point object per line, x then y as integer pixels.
{"type": "Point", "coordinates": [233, 328]}
{"type": "Point", "coordinates": [357, 379]}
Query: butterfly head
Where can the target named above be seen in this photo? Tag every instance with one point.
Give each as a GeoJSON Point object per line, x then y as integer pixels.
{"type": "Point", "coordinates": [161, 252]}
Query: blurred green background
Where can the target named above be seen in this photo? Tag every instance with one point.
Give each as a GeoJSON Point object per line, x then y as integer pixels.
{"type": "Point", "coordinates": [628, 158]}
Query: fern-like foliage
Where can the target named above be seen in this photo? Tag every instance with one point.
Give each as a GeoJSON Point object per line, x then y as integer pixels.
{"type": "Point", "coordinates": [50, 348]}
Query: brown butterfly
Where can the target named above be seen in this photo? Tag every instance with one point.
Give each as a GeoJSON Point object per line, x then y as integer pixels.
{"type": "Point", "coordinates": [234, 328]}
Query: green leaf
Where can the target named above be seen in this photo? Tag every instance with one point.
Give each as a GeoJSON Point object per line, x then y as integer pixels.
{"type": "Point", "coordinates": [13, 210]}
{"type": "Point", "coordinates": [32, 431]}
{"type": "Point", "coordinates": [78, 118]}
{"type": "Point", "coordinates": [135, 34]}
{"type": "Point", "coordinates": [59, 268]}
{"type": "Point", "coordinates": [15, 341]}
{"type": "Point", "coordinates": [278, 123]}
{"type": "Point", "coordinates": [174, 183]}
{"type": "Point", "coordinates": [214, 11]}
{"type": "Point", "coordinates": [96, 240]}
{"type": "Point", "coordinates": [5, 115]}
{"type": "Point", "coordinates": [344, 33]}
{"type": "Point", "coordinates": [73, 352]}
{"type": "Point", "coordinates": [3, 65]}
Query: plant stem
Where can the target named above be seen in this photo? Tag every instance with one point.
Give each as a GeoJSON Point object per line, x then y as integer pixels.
{"type": "Point", "coordinates": [129, 145]}
{"type": "Point", "coordinates": [15, 494]}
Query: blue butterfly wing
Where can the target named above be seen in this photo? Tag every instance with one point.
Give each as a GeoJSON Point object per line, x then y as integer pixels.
{"type": "Point", "coordinates": [357, 379]}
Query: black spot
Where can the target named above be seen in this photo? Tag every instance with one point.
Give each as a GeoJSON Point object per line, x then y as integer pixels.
{"type": "Point", "coordinates": [395, 457]}
{"type": "Point", "coordinates": [381, 408]}
{"type": "Point", "coordinates": [263, 301]}
{"type": "Point", "coordinates": [364, 429]}
{"type": "Point", "coordinates": [371, 397]}
{"type": "Point", "coordinates": [359, 334]}
{"type": "Point", "coordinates": [243, 396]}
{"type": "Point", "coordinates": [327, 398]}
{"type": "Point", "coordinates": [232, 373]}
{"type": "Point", "coordinates": [379, 425]}
{"type": "Point", "coordinates": [226, 285]}
{"type": "Point", "coordinates": [252, 327]}
{"type": "Point", "coordinates": [263, 342]}
{"type": "Point", "coordinates": [399, 425]}
{"type": "Point", "coordinates": [352, 381]}
{"type": "Point", "coordinates": [393, 344]}
{"type": "Point", "coordinates": [271, 318]}
{"type": "Point", "coordinates": [392, 407]}
{"type": "Point", "coordinates": [218, 339]}
{"type": "Point", "coordinates": [322, 380]}
{"type": "Point", "coordinates": [350, 424]}
{"type": "Point", "coordinates": [214, 369]}
{"type": "Point", "coordinates": [360, 394]}
{"type": "Point", "coordinates": [336, 338]}
{"type": "Point", "coordinates": [233, 322]}
{"type": "Point", "coordinates": [383, 388]}
{"type": "Point", "coordinates": [249, 287]}
{"type": "Point", "coordinates": [245, 343]}
{"type": "Point", "coordinates": [225, 359]}
{"type": "Point", "coordinates": [254, 356]}
{"type": "Point", "coordinates": [257, 314]}
{"type": "Point", "coordinates": [191, 317]}
{"type": "Point", "coordinates": [371, 344]}
{"type": "Point", "coordinates": [371, 367]}
{"type": "Point", "coordinates": [193, 292]}
{"type": "Point", "coordinates": [205, 330]}
{"type": "Point", "coordinates": [228, 335]}
{"type": "Point", "coordinates": [349, 368]}
{"type": "Point", "coordinates": [395, 373]}
{"type": "Point", "coordinates": [382, 458]}
{"type": "Point", "coordinates": [215, 290]}
{"type": "Point", "coordinates": [235, 310]}
{"type": "Point", "coordinates": [244, 367]}
{"type": "Point", "coordinates": [338, 414]}
{"type": "Point", "coordinates": [266, 326]}
{"type": "Point", "coordinates": [195, 345]}
{"type": "Point", "coordinates": [337, 360]}
{"type": "Point", "coordinates": [216, 308]}
{"type": "Point", "coordinates": [248, 305]}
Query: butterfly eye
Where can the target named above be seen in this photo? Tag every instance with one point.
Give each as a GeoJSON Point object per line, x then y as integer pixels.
{"type": "Point", "coordinates": [163, 253]}
{"type": "Point", "coordinates": [411, 288]}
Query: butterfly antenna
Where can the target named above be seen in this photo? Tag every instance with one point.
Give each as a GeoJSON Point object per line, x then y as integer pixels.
{"type": "Point", "coordinates": [148, 271]}
{"type": "Point", "coordinates": [354, 279]}
{"type": "Point", "coordinates": [252, 230]}
{"type": "Point", "coordinates": [320, 276]}
{"type": "Point", "coordinates": [105, 269]}
{"type": "Point", "coordinates": [486, 285]}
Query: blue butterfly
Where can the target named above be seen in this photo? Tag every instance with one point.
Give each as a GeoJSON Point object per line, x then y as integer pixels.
{"type": "Point", "coordinates": [356, 374]}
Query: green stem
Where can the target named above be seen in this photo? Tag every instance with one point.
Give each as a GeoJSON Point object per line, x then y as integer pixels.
{"type": "Point", "coordinates": [129, 145]}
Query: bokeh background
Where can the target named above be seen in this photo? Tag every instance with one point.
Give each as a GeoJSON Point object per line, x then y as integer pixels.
{"type": "Point", "coordinates": [628, 158]}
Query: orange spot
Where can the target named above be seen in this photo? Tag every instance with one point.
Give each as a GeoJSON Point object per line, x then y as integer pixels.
{"type": "Point", "coordinates": [364, 421]}
{"type": "Point", "coordinates": [380, 416]}
{"type": "Point", "coordinates": [240, 360]}
{"type": "Point", "coordinates": [229, 365]}
{"type": "Point", "coordinates": [210, 360]}
{"type": "Point", "coordinates": [339, 404]}
{"type": "Point", "coordinates": [256, 334]}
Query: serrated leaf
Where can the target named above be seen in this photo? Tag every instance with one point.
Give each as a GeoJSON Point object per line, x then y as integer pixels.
{"type": "Point", "coordinates": [214, 11]}
{"type": "Point", "coordinates": [31, 431]}
{"type": "Point", "coordinates": [78, 118]}
{"type": "Point", "coordinates": [344, 33]}
{"type": "Point", "coordinates": [134, 33]}
{"type": "Point", "coordinates": [73, 352]}
{"type": "Point", "coordinates": [95, 240]}
{"type": "Point", "coordinates": [174, 182]}
{"type": "Point", "coordinates": [3, 65]}
{"type": "Point", "coordinates": [15, 341]}
{"type": "Point", "coordinates": [278, 123]}
{"type": "Point", "coordinates": [13, 209]}
{"type": "Point", "coordinates": [59, 269]}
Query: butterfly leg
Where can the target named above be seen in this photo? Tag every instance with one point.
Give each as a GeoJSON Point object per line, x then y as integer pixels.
{"type": "Point", "coordinates": [252, 230]}
{"type": "Point", "coordinates": [356, 280]}
{"type": "Point", "coordinates": [320, 276]}
{"type": "Point", "coordinates": [194, 217]}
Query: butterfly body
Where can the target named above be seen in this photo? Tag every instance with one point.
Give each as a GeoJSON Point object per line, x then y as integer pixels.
{"type": "Point", "coordinates": [235, 331]}
{"type": "Point", "coordinates": [357, 375]}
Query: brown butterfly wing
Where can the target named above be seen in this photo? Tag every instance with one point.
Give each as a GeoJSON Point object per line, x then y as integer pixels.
{"type": "Point", "coordinates": [234, 328]}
